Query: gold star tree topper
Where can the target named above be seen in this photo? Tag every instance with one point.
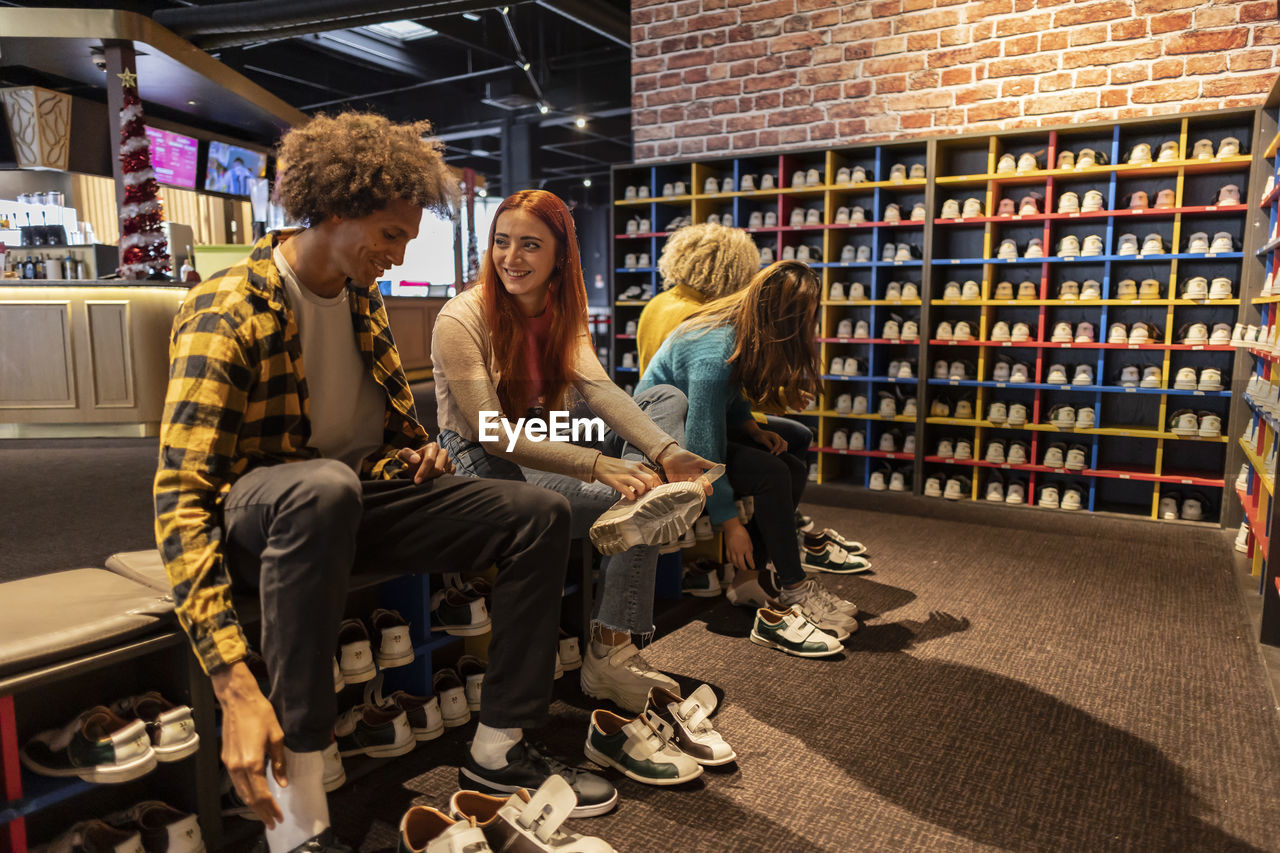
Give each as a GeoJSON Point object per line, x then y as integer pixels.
{"type": "Point", "coordinates": [128, 78]}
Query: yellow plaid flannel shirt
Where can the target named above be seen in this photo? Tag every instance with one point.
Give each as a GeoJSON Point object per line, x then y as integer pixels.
{"type": "Point", "coordinates": [237, 400]}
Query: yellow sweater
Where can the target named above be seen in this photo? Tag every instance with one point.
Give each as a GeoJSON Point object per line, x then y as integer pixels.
{"type": "Point", "coordinates": [661, 316]}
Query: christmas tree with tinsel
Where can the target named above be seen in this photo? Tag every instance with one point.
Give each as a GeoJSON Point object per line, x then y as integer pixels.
{"type": "Point", "coordinates": [143, 246]}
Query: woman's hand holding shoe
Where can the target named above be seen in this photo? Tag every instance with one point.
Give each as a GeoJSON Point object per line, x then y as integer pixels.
{"type": "Point", "coordinates": [682, 465]}
{"type": "Point", "coordinates": [630, 479]}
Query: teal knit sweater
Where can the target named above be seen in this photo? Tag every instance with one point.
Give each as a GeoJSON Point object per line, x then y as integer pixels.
{"type": "Point", "coordinates": [696, 363]}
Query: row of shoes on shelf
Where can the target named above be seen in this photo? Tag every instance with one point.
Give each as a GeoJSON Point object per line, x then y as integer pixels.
{"type": "Point", "coordinates": [639, 225]}
{"type": "Point", "coordinates": [1064, 497]}
{"type": "Point", "coordinates": [1071, 202]}
{"type": "Point", "coordinates": [888, 406]}
{"type": "Point", "coordinates": [1173, 506]}
{"type": "Point", "coordinates": [1251, 435]}
{"type": "Point", "coordinates": [636, 293]}
{"type": "Point", "coordinates": [1186, 423]}
{"type": "Point", "coordinates": [151, 826]}
{"type": "Point", "coordinates": [1195, 288]}
{"type": "Point", "coordinates": [636, 260]}
{"type": "Point", "coordinates": [894, 329]}
{"type": "Point", "coordinates": [1264, 396]}
{"type": "Point", "coordinates": [1260, 338]}
{"type": "Point", "coordinates": [889, 442]}
{"type": "Point", "coordinates": [114, 743]}
{"type": "Point", "coordinates": [894, 291]}
{"type": "Point", "coordinates": [1141, 153]}
{"type": "Point", "coordinates": [887, 479]}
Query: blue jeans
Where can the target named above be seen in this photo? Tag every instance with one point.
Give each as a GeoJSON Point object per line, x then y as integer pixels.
{"type": "Point", "coordinates": [624, 595]}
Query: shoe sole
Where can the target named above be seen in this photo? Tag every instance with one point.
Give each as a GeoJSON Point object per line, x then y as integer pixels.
{"type": "Point", "coordinates": [605, 761]}
{"type": "Point", "coordinates": [764, 641]}
{"type": "Point", "coordinates": [454, 722]}
{"type": "Point", "coordinates": [832, 570]}
{"type": "Point", "coordinates": [392, 662]}
{"type": "Point", "coordinates": [703, 593]}
{"type": "Point", "coordinates": [714, 762]}
{"type": "Point", "coordinates": [102, 774]}
{"type": "Point", "coordinates": [487, 787]}
{"type": "Point", "coordinates": [332, 784]}
{"type": "Point", "coordinates": [390, 750]}
{"type": "Point", "coordinates": [359, 676]}
{"type": "Point", "coordinates": [421, 735]}
{"type": "Point", "coordinates": [177, 751]}
{"type": "Point", "coordinates": [655, 518]}
{"type": "Point", "coordinates": [464, 630]}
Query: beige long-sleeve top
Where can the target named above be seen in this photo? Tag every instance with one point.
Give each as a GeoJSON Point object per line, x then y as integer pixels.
{"type": "Point", "coordinates": [467, 380]}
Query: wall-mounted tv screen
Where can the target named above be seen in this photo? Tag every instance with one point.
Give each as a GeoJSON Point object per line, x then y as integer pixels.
{"type": "Point", "coordinates": [232, 169]}
{"type": "Point", "coordinates": [173, 157]}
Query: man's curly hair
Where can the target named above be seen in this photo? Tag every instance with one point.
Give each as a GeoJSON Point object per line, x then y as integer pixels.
{"type": "Point", "coordinates": [358, 163]}
{"type": "Point", "coordinates": [710, 258]}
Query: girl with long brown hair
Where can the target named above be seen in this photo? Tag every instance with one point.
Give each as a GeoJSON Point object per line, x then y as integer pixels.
{"type": "Point", "coordinates": [518, 344]}
{"type": "Point", "coordinates": [754, 347]}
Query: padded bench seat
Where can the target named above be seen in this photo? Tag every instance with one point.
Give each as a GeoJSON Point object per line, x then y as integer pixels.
{"type": "Point", "coordinates": [64, 615]}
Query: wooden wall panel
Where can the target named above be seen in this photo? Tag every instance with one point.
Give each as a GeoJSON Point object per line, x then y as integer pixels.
{"type": "Point", "coordinates": [37, 369]}
{"type": "Point", "coordinates": [110, 351]}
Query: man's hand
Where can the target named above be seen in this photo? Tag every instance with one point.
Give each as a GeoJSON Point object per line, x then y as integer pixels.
{"type": "Point", "coordinates": [737, 544]}
{"type": "Point", "coordinates": [630, 479]}
{"type": "Point", "coordinates": [682, 465]}
{"type": "Point", "coordinates": [432, 461]}
{"type": "Point", "coordinates": [250, 731]}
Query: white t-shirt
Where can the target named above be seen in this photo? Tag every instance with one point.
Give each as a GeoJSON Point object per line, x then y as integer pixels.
{"type": "Point", "coordinates": [346, 406]}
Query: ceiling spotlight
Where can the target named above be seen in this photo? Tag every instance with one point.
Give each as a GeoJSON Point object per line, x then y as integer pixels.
{"type": "Point", "coordinates": [191, 103]}
{"type": "Point", "coordinates": [471, 16]}
{"type": "Point", "coordinates": [544, 107]}
{"type": "Point", "coordinates": [586, 182]}
{"type": "Point", "coordinates": [505, 9]}
{"type": "Point", "coordinates": [525, 66]}
{"type": "Point", "coordinates": [580, 121]}
{"type": "Point", "coordinates": [479, 152]}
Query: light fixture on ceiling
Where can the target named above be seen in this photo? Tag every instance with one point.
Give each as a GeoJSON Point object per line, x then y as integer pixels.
{"type": "Point", "coordinates": [479, 152]}
{"type": "Point", "coordinates": [471, 16]}
{"type": "Point", "coordinates": [191, 103]}
{"type": "Point", "coordinates": [586, 182]}
{"type": "Point", "coordinates": [580, 121]}
{"type": "Point", "coordinates": [544, 107]}
{"type": "Point", "coordinates": [505, 10]}
{"type": "Point", "coordinates": [482, 192]}
{"type": "Point", "coordinates": [525, 65]}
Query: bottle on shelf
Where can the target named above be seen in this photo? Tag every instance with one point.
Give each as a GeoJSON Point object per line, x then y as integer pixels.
{"type": "Point", "coordinates": [80, 270]}
{"type": "Point", "coordinates": [186, 267]}
{"type": "Point", "coordinates": [29, 268]}
{"type": "Point", "coordinates": [69, 267]}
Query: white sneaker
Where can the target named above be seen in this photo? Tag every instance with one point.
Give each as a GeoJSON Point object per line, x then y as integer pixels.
{"type": "Point", "coordinates": [957, 488]}
{"type": "Point", "coordinates": [1016, 494]}
{"type": "Point", "coordinates": [1128, 244]}
{"type": "Point", "coordinates": [995, 490]}
{"type": "Point", "coordinates": [1017, 453]}
{"type": "Point", "coordinates": [1063, 417]}
{"type": "Point", "coordinates": [1049, 497]}
{"type": "Point", "coordinates": [1169, 507]}
{"type": "Point", "coordinates": [1220, 288]}
{"type": "Point", "coordinates": [1008, 250]}
{"type": "Point", "coordinates": [997, 412]}
{"type": "Point", "coordinates": [1076, 458]}
{"type": "Point", "coordinates": [1153, 244]}
{"type": "Point", "coordinates": [1085, 418]}
{"type": "Point", "coordinates": [1053, 456]}
{"type": "Point", "coordinates": [1083, 375]}
{"type": "Point", "coordinates": [970, 291]}
{"type": "Point", "coordinates": [972, 208]}
{"type": "Point", "coordinates": [1017, 414]}
{"type": "Point", "coordinates": [1069, 246]}
{"type": "Point", "coordinates": [1151, 377]}
{"type": "Point", "coordinates": [623, 676]}
{"type": "Point", "coordinates": [933, 486]}
{"type": "Point", "coordinates": [1118, 334]}
{"type": "Point", "coordinates": [1198, 243]}
{"type": "Point", "coordinates": [995, 452]}
{"type": "Point", "coordinates": [1021, 332]}
{"type": "Point", "coordinates": [1062, 334]}
{"type": "Point", "coordinates": [1222, 242]}
{"type": "Point", "coordinates": [1184, 423]}
{"type": "Point", "coordinates": [1210, 425]}
{"type": "Point", "coordinates": [840, 439]}
{"type": "Point", "coordinates": [1210, 380]}
{"type": "Point", "coordinates": [1185, 379]}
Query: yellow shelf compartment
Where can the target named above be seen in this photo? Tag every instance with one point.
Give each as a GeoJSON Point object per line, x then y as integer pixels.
{"type": "Point", "coordinates": [1259, 466]}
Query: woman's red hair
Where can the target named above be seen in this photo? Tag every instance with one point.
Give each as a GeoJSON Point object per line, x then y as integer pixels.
{"type": "Point", "coordinates": [566, 299]}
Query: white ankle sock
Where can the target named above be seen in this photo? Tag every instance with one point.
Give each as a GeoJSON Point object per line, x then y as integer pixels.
{"type": "Point", "coordinates": [303, 803]}
{"type": "Point", "coordinates": [491, 745]}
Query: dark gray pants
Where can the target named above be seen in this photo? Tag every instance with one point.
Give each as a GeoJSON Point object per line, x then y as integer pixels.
{"type": "Point", "coordinates": [775, 484]}
{"type": "Point", "coordinates": [296, 532]}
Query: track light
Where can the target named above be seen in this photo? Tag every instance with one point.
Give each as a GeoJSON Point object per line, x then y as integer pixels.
{"type": "Point", "coordinates": [505, 9]}
{"type": "Point", "coordinates": [586, 182]}
{"type": "Point", "coordinates": [580, 121]}
{"type": "Point", "coordinates": [544, 107]}
{"type": "Point", "coordinates": [525, 66]}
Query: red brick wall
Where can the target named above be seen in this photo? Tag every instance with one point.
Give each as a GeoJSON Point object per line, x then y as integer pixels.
{"type": "Point", "coordinates": [721, 76]}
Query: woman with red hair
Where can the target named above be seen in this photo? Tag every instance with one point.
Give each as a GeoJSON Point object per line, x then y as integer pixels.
{"type": "Point", "coordinates": [518, 345]}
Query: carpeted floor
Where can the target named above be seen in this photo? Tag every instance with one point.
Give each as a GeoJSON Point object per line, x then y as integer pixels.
{"type": "Point", "coordinates": [1023, 681]}
{"type": "Point", "coordinates": [1077, 684]}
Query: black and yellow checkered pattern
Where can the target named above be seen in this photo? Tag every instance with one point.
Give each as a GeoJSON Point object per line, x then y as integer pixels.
{"type": "Point", "coordinates": [237, 400]}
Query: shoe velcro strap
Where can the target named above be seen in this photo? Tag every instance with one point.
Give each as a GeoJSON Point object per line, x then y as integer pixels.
{"type": "Point", "coordinates": [548, 808]}
{"type": "Point", "coordinates": [798, 627]}
{"type": "Point", "coordinates": [691, 713]}
{"type": "Point", "coordinates": [647, 734]}
{"type": "Point", "coordinates": [705, 697]}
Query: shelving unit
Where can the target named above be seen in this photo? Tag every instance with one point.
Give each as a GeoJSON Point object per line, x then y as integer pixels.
{"type": "Point", "coordinates": [1133, 457]}
{"type": "Point", "coordinates": [1258, 430]}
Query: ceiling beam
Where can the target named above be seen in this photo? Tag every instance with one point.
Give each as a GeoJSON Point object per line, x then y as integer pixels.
{"type": "Point", "coordinates": [600, 18]}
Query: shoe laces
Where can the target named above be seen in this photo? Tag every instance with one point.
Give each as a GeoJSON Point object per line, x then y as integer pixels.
{"type": "Point", "coordinates": [636, 663]}
{"type": "Point", "coordinates": [820, 594]}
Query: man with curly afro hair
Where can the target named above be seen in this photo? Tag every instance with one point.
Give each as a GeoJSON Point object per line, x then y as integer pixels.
{"type": "Point", "coordinates": [291, 457]}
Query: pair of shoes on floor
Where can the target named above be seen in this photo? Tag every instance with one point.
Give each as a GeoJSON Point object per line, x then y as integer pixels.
{"type": "Point", "coordinates": [458, 689]}
{"type": "Point", "coordinates": [149, 827]}
{"type": "Point", "coordinates": [525, 820]}
{"type": "Point", "coordinates": [622, 676]}
{"type": "Point", "coordinates": [660, 516]}
{"type": "Point", "coordinates": [667, 744]}
{"type": "Point", "coordinates": [358, 661]}
{"type": "Point", "coordinates": [115, 744]}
